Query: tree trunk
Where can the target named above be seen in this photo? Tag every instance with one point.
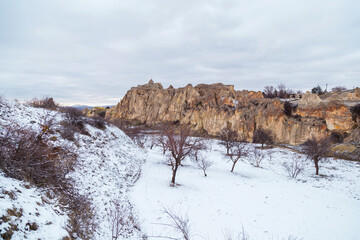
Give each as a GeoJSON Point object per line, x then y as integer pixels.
{"type": "Point", "coordinates": [317, 166]}
{"type": "Point", "coordinates": [227, 150]}
{"type": "Point", "coordinates": [205, 173]}
{"type": "Point", "coordinates": [232, 169]}
{"type": "Point", "coordinates": [174, 174]}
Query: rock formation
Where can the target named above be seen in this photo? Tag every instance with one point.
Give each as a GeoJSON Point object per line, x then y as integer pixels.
{"type": "Point", "coordinates": [210, 108]}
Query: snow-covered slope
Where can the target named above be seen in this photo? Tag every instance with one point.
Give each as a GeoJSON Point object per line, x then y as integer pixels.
{"type": "Point", "coordinates": [26, 213]}
{"type": "Point", "coordinates": [108, 165]}
{"type": "Point", "coordinates": [265, 202]}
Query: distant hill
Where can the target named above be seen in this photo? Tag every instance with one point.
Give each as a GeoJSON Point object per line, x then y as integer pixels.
{"type": "Point", "coordinates": [82, 107]}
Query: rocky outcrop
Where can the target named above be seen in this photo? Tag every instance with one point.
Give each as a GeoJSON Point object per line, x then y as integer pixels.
{"type": "Point", "coordinates": [210, 108]}
{"type": "Point", "coordinates": [309, 101]}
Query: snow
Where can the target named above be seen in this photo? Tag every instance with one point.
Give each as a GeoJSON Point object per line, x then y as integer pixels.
{"type": "Point", "coordinates": [46, 214]}
{"type": "Point", "coordinates": [264, 201]}
{"type": "Point", "coordinates": [108, 165]}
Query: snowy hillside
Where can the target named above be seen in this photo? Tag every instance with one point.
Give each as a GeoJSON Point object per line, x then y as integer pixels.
{"type": "Point", "coordinates": [264, 202]}
{"type": "Point", "coordinates": [108, 164]}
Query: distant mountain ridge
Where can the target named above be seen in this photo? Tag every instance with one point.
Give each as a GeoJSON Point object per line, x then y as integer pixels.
{"type": "Point", "coordinates": [82, 107]}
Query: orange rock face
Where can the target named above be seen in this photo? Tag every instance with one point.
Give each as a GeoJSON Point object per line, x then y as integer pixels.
{"type": "Point", "coordinates": [210, 108]}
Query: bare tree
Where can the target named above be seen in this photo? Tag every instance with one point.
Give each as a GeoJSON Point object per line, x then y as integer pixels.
{"type": "Point", "coordinates": [256, 157]}
{"type": "Point", "coordinates": [202, 162]}
{"type": "Point", "coordinates": [295, 167]}
{"type": "Point", "coordinates": [316, 150]}
{"type": "Point", "coordinates": [263, 136]}
{"type": "Point", "coordinates": [236, 152]}
{"type": "Point", "coordinates": [179, 145]}
{"type": "Point", "coordinates": [228, 137]}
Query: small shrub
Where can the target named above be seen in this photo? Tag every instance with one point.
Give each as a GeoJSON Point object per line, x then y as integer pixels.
{"type": "Point", "coordinates": [339, 89]}
{"type": "Point", "coordinates": [295, 167]}
{"type": "Point", "coordinates": [46, 102]}
{"type": "Point", "coordinates": [81, 222]}
{"type": "Point", "coordinates": [98, 122]}
{"type": "Point", "coordinates": [317, 90]}
{"type": "Point", "coordinates": [74, 123]}
{"type": "Point", "coordinates": [256, 157]}
{"type": "Point", "coordinates": [121, 219]}
{"type": "Point", "coordinates": [201, 160]}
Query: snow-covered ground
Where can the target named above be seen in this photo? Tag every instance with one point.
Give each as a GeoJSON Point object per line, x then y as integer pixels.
{"type": "Point", "coordinates": [22, 206]}
{"type": "Point", "coordinates": [264, 202]}
{"type": "Point", "coordinates": [108, 165]}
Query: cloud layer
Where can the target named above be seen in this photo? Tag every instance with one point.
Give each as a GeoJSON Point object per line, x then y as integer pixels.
{"type": "Point", "coordinates": [92, 52]}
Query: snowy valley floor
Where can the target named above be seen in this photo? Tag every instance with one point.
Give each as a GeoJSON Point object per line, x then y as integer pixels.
{"type": "Point", "coordinates": [264, 202]}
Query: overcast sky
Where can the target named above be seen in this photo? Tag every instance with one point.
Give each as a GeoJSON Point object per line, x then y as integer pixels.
{"type": "Point", "coordinates": [92, 52]}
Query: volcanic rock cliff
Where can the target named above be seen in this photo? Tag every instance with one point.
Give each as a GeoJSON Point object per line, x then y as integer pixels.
{"type": "Point", "coordinates": [210, 108]}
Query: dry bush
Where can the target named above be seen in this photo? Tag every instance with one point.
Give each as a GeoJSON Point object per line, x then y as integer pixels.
{"type": "Point", "coordinates": [81, 223]}
{"type": "Point", "coordinates": [46, 102]}
{"type": "Point", "coordinates": [295, 167]}
{"type": "Point", "coordinates": [98, 122]}
{"type": "Point", "coordinates": [256, 157]}
{"type": "Point", "coordinates": [180, 223]}
{"type": "Point", "coordinates": [121, 219]}
{"type": "Point", "coordinates": [74, 123]}
{"type": "Point", "coordinates": [27, 155]}
{"type": "Point", "coordinates": [230, 235]}
{"type": "Point", "coordinates": [339, 89]}
{"type": "Point", "coordinates": [133, 132]}
{"type": "Point", "coordinates": [32, 157]}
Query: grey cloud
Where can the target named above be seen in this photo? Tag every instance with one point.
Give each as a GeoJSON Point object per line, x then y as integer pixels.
{"type": "Point", "coordinates": [94, 51]}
